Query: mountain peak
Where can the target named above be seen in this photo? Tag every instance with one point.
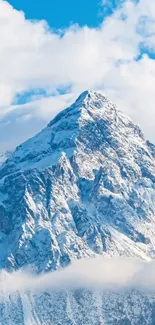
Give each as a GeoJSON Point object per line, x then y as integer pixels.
{"type": "Point", "coordinates": [90, 96]}
{"type": "Point", "coordinates": [87, 99]}
{"type": "Point", "coordinates": [90, 123]}
{"type": "Point", "coordinates": [85, 94]}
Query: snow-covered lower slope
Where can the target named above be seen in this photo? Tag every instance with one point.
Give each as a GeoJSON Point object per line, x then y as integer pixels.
{"type": "Point", "coordinates": [77, 307]}
{"type": "Point", "coordinates": [83, 186]}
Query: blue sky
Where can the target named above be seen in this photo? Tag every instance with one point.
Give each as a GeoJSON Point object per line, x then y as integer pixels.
{"type": "Point", "coordinates": [60, 13]}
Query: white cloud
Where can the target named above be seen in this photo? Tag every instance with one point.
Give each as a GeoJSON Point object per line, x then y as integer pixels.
{"type": "Point", "coordinates": [33, 56]}
{"type": "Point", "coordinates": [95, 273]}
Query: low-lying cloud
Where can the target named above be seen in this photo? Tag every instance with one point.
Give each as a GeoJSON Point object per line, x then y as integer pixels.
{"type": "Point", "coordinates": [95, 273]}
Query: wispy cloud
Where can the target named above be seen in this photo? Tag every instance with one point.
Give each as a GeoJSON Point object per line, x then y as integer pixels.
{"type": "Point", "coordinates": [97, 273]}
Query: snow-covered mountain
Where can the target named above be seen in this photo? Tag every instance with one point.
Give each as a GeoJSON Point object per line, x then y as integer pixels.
{"type": "Point", "coordinates": [84, 186]}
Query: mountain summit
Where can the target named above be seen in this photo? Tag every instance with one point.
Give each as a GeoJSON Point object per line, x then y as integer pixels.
{"type": "Point", "coordinates": [83, 186]}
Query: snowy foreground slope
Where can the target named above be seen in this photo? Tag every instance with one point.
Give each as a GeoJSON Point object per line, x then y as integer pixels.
{"type": "Point", "coordinates": [83, 186]}
{"type": "Point", "coordinates": [78, 308]}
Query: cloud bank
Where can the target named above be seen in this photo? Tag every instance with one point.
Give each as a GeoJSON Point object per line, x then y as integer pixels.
{"type": "Point", "coordinates": [117, 57]}
{"type": "Point", "coordinates": [96, 273]}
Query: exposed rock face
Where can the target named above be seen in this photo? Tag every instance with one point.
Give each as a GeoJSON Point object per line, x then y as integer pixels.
{"type": "Point", "coordinates": [84, 185]}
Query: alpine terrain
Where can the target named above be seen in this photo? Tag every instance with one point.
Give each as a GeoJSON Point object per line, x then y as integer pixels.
{"type": "Point", "coordinates": [82, 187]}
